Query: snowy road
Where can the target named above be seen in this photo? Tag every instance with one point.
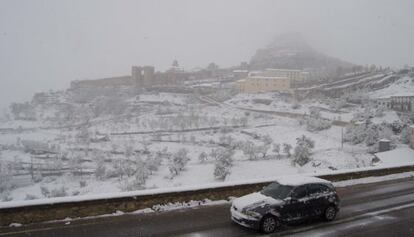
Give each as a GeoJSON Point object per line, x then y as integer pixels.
{"type": "Point", "coordinates": [381, 209]}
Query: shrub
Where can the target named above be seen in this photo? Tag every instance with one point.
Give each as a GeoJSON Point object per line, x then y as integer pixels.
{"type": "Point", "coordinates": [303, 149]}
{"type": "Point", "coordinates": [223, 163]}
{"type": "Point", "coordinates": [287, 148]}
{"type": "Point", "coordinates": [203, 157]}
{"type": "Point", "coordinates": [58, 192]}
{"type": "Point", "coordinates": [30, 197]}
{"type": "Point", "coordinates": [178, 161]}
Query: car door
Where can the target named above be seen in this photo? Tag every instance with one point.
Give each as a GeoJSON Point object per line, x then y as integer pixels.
{"type": "Point", "coordinates": [295, 208]}
{"type": "Point", "coordinates": [318, 194]}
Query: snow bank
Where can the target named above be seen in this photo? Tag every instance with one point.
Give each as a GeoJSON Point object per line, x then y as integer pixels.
{"type": "Point", "coordinates": [373, 179]}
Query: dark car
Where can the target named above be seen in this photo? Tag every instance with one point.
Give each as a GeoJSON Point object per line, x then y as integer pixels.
{"type": "Point", "coordinates": [289, 199]}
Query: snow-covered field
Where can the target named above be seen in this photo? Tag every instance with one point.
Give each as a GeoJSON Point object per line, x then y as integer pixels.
{"type": "Point", "coordinates": [137, 150]}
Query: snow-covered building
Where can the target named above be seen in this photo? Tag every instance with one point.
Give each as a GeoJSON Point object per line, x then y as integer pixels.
{"type": "Point", "coordinates": [402, 103]}
{"type": "Point", "coordinates": [271, 80]}
{"type": "Point", "coordinates": [385, 102]}
{"type": "Point", "coordinates": [255, 84]}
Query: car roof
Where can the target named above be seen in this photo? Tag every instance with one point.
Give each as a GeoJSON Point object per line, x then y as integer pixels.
{"type": "Point", "coordinates": [297, 180]}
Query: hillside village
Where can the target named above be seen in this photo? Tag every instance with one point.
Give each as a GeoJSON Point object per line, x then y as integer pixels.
{"type": "Point", "coordinates": [289, 110]}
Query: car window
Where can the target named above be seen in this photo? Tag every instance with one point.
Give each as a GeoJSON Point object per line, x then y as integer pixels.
{"type": "Point", "coordinates": [276, 190]}
{"type": "Point", "coordinates": [315, 189]}
{"type": "Point", "coordinates": [300, 192]}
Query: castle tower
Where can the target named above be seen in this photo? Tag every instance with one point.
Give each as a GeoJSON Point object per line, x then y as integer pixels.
{"type": "Point", "coordinates": [148, 78]}
{"type": "Point", "coordinates": [136, 75]}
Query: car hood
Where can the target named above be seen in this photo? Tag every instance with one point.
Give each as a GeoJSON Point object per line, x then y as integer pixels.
{"type": "Point", "coordinates": [254, 199]}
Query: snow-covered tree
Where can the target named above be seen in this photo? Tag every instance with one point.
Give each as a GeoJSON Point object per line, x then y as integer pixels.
{"type": "Point", "coordinates": [100, 170]}
{"type": "Point", "coordinates": [368, 133]}
{"type": "Point", "coordinates": [223, 163]}
{"type": "Point", "coordinates": [287, 148]}
{"type": "Point", "coordinates": [267, 140]}
{"type": "Point", "coordinates": [122, 168]}
{"type": "Point", "coordinates": [276, 149]}
{"type": "Point", "coordinates": [250, 150]}
{"type": "Point", "coordinates": [371, 135]}
{"type": "Point", "coordinates": [178, 161]}
{"type": "Point", "coordinates": [76, 163]}
{"type": "Point", "coordinates": [226, 140]}
{"type": "Point", "coordinates": [262, 150]}
{"type": "Point", "coordinates": [203, 157]}
{"type": "Point", "coordinates": [405, 135]}
{"type": "Point", "coordinates": [244, 121]}
{"type": "Point", "coordinates": [295, 105]}
{"type": "Point", "coordinates": [303, 150]}
{"type": "Point", "coordinates": [337, 104]}
{"type": "Point", "coordinates": [35, 147]}
{"type": "Point", "coordinates": [154, 162]}
{"type": "Point", "coordinates": [129, 151]}
{"type": "Point", "coordinates": [355, 134]}
{"type": "Point", "coordinates": [141, 174]}
{"type": "Point", "coordinates": [308, 141]}
{"type": "Point", "coordinates": [315, 122]}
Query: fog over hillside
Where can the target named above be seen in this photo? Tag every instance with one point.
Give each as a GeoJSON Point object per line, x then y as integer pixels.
{"type": "Point", "coordinates": [292, 51]}
{"type": "Point", "coordinates": [46, 44]}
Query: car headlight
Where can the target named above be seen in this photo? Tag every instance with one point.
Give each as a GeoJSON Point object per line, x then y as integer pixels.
{"type": "Point", "coordinates": [251, 213]}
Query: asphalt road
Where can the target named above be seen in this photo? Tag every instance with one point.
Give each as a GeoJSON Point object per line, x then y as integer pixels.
{"type": "Point", "coordinates": [380, 209]}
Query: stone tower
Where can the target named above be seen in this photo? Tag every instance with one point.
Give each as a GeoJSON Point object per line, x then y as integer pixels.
{"type": "Point", "coordinates": [136, 75]}
{"type": "Point", "coordinates": [148, 76]}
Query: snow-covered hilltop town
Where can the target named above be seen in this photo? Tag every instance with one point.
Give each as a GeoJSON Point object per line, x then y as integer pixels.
{"type": "Point", "coordinates": [289, 110]}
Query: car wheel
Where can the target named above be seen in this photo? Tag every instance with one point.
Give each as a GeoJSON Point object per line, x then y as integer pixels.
{"type": "Point", "coordinates": [330, 213]}
{"type": "Point", "coordinates": [269, 224]}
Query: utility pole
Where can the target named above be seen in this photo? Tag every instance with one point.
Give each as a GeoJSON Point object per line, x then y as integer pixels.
{"type": "Point", "coordinates": [342, 138]}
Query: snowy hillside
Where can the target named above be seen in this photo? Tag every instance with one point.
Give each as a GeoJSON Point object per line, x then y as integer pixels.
{"type": "Point", "coordinates": [402, 87]}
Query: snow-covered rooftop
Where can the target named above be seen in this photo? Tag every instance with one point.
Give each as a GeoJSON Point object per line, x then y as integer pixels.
{"type": "Point", "coordinates": [296, 180]}
{"type": "Point", "coordinates": [399, 155]}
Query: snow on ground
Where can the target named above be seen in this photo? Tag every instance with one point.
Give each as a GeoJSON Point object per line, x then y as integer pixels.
{"type": "Point", "coordinates": [279, 104]}
{"type": "Point", "coordinates": [389, 117]}
{"type": "Point", "coordinates": [174, 98]}
{"type": "Point", "coordinates": [327, 155]}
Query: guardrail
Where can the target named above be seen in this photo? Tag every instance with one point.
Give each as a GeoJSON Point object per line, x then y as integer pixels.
{"type": "Point", "coordinates": [60, 208]}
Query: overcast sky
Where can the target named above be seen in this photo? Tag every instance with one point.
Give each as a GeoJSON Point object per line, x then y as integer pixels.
{"type": "Point", "coordinates": [44, 44]}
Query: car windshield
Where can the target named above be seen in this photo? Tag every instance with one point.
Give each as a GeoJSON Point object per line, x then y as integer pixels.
{"type": "Point", "coordinates": [276, 190]}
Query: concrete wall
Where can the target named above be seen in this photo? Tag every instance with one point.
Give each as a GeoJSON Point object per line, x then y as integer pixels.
{"type": "Point", "coordinates": [111, 81]}
{"type": "Point", "coordinates": [412, 137]}
{"type": "Point", "coordinates": [56, 211]}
